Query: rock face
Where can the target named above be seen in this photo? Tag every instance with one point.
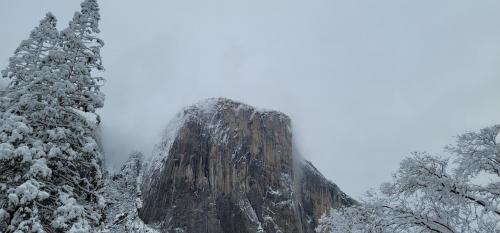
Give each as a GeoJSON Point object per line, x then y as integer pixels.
{"type": "Point", "coordinates": [226, 167]}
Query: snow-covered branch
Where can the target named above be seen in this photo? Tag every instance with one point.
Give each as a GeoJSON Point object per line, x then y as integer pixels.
{"type": "Point", "coordinates": [431, 194]}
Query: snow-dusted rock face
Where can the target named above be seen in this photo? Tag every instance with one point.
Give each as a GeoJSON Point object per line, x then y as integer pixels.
{"type": "Point", "coordinates": [226, 167]}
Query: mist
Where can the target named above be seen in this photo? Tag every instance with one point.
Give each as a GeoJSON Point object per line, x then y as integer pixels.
{"type": "Point", "coordinates": [364, 82]}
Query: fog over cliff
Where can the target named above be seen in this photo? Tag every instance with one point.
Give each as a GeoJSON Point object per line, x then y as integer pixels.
{"type": "Point", "coordinates": [364, 82]}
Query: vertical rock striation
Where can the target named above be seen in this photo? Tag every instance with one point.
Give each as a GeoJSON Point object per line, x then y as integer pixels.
{"type": "Point", "coordinates": [226, 167]}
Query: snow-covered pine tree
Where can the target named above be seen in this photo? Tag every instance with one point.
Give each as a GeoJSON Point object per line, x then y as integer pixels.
{"type": "Point", "coordinates": [28, 56]}
{"type": "Point", "coordinates": [81, 49]}
{"type": "Point", "coordinates": [47, 145]}
{"type": "Point", "coordinates": [77, 92]}
{"type": "Point", "coordinates": [23, 166]}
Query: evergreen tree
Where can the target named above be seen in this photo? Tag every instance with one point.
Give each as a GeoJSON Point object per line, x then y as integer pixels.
{"type": "Point", "coordinates": [23, 166]}
{"type": "Point", "coordinates": [50, 163]}
{"type": "Point", "coordinates": [81, 49]}
{"type": "Point", "coordinates": [30, 53]}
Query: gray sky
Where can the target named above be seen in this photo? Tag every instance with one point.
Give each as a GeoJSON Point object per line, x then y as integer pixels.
{"type": "Point", "coordinates": [365, 82]}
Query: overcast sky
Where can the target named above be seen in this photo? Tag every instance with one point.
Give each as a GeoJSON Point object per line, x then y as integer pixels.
{"type": "Point", "coordinates": [365, 82]}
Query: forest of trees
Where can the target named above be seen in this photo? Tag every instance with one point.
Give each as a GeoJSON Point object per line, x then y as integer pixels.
{"type": "Point", "coordinates": [459, 193]}
{"type": "Point", "coordinates": [50, 172]}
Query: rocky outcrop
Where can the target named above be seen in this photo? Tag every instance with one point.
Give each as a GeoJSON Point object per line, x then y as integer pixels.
{"type": "Point", "coordinates": [226, 167]}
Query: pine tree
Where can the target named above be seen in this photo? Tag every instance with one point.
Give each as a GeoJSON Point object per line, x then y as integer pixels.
{"type": "Point", "coordinates": [47, 142]}
{"type": "Point", "coordinates": [29, 55]}
{"type": "Point", "coordinates": [81, 49]}
{"type": "Point", "coordinates": [23, 167]}
{"type": "Point", "coordinates": [77, 92]}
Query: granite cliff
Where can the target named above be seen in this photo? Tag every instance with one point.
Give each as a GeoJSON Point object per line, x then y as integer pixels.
{"type": "Point", "coordinates": [226, 167]}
